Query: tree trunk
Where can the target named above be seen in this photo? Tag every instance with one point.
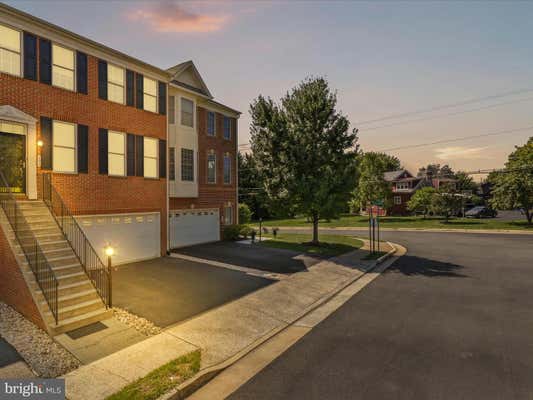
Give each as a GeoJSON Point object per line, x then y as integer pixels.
{"type": "Point", "coordinates": [529, 216]}
{"type": "Point", "coordinates": [315, 228]}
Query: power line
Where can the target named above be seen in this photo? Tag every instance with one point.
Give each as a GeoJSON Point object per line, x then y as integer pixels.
{"type": "Point", "coordinates": [445, 106]}
{"type": "Point", "coordinates": [412, 146]}
{"type": "Point", "coordinates": [447, 114]}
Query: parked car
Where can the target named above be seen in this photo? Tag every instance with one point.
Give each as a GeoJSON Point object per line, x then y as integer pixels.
{"type": "Point", "coordinates": [481, 212]}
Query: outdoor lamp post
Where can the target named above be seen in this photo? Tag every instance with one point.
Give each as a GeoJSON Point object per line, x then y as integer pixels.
{"type": "Point", "coordinates": [109, 251]}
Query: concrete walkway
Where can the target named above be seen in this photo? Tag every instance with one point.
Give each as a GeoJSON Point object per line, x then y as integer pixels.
{"type": "Point", "coordinates": [222, 333]}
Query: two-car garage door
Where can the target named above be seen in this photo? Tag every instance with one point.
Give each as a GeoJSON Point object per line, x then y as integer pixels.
{"type": "Point", "coordinates": [188, 227]}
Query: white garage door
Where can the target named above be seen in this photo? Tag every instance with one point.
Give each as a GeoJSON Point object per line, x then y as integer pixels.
{"type": "Point", "coordinates": [134, 237]}
{"type": "Point", "coordinates": [188, 227]}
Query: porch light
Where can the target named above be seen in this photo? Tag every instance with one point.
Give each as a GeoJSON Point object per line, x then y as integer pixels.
{"type": "Point", "coordinates": [40, 143]}
{"type": "Point", "coordinates": [109, 251]}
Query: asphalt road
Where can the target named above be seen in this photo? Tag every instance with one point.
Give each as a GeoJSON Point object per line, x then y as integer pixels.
{"type": "Point", "coordinates": [453, 319]}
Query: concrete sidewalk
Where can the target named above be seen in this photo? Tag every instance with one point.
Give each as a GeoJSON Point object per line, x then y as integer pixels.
{"type": "Point", "coordinates": [225, 332]}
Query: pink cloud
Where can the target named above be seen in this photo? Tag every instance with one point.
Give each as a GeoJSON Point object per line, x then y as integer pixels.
{"type": "Point", "coordinates": [173, 17]}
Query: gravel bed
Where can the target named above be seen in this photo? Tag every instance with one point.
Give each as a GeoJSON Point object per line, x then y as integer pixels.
{"type": "Point", "coordinates": [45, 357]}
{"type": "Point", "coordinates": [140, 324]}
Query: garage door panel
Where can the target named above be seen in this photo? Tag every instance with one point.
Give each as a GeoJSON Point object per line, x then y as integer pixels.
{"type": "Point", "coordinates": [193, 227]}
{"type": "Point", "coordinates": [134, 236]}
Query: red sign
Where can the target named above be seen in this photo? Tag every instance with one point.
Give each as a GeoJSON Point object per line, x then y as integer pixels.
{"type": "Point", "coordinates": [376, 210]}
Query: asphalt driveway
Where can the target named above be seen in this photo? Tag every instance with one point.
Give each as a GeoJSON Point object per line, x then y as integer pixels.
{"type": "Point", "coordinates": [169, 290]}
{"type": "Point", "coordinates": [8, 355]}
{"type": "Point", "coordinates": [251, 256]}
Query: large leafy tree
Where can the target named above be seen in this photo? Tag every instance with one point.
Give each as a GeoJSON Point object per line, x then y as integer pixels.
{"type": "Point", "coordinates": [372, 185]}
{"type": "Point", "coordinates": [436, 171]}
{"type": "Point", "coordinates": [305, 150]}
{"type": "Point", "coordinates": [513, 187]}
{"type": "Point", "coordinates": [422, 200]}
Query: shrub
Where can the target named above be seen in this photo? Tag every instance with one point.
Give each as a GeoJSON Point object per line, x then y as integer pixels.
{"type": "Point", "coordinates": [246, 231]}
{"type": "Point", "coordinates": [245, 215]}
{"type": "Point", "coordinates": [231, 232]}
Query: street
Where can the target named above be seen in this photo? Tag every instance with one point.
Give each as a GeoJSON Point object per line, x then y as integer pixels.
{"type": "Point", "coordinates": [450, 320]}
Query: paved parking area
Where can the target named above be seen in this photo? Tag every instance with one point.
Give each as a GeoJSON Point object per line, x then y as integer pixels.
{"type": "Point", "coordinates": [12, 365]}
{"type": "Point", "coordinates": [250, 256]}
{"type": "Point", "coordinates": [168, 290]}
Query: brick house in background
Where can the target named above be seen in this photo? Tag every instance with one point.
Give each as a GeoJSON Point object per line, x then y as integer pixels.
{"type": "Point", "coordinates": [98, 146]}
{"type": "Point", "coordinates": [404, 184]}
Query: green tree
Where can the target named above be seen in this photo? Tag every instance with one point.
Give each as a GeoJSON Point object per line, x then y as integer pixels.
{"type": "Point", "coordinates": [305, 150]}
{"type": "Point", "coordinates": [446, 202]}
{"type": "Point", "coordinates": [436, 171]}
{"type": "Point", "coordinates": [513, 187]}
{"type": "Point", "coordinates": [465, 182]}
{"type": "Point", "coordinates": [245, 215]}
{"type": "Point", "coordinates": [422, 200]}
{"type": "Point", "coordinates": [372, 185]}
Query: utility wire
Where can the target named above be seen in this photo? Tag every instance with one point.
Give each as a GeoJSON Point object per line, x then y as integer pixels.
{"type": "Point", "coordinates": [445, 106]}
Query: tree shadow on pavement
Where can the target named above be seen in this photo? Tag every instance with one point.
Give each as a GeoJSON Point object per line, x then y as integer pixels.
{"type": "Point", "coordinates": [411, 266]}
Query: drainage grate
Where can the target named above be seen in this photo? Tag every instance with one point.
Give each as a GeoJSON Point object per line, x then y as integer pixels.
{"type": "Point", "coordinates": [86, 330]}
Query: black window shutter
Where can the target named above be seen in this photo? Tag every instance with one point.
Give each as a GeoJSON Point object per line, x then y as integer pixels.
{"type": "Point", "coordinates": [47, 138]}
{"type": "Point", "coordinates": [130, 94]}
{"type": "Point", "coordinates": [102, 79]}
{"type": "Point", "coordinates": [45, 61]}
{"type": "Point", "coordinates": [139, 86]}
{"type": "Point", "coordinates": [81, 72]}
{"type": "Point", "coordinates": [83, 149]}
{"type": "Point", "coordinates": [30, 56]}
{"type": "Point", "coordinates": [139, 155]}
{"type": "Point", "coordinates": [102, 151]}
{"type": "Point", "coordinates": [162, 158]}
{"type": "Point", "coordinates": [162, 98]}
{"type": "Point", "coordinates": [130, 149]}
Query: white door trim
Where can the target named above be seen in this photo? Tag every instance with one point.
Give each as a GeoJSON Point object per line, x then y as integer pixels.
{"type": "Point", "coordinates": [12, 114]}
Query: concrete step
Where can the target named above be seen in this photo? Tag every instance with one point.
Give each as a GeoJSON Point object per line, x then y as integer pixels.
{"type": "Point", "coordinates": [40, 230]}
{"type": "Point", "coordinates": [41, 238]}
{"type": "Point", "coordinates": [73, 298]}
{"type": "Point", "coordinates": [65, 279]}
{"type": "Point", "coordinates": [81, 320]}
{"type": "Point", "coordinates": [63, 261]}
{"type": "Point", "coordinates": [75, 310]}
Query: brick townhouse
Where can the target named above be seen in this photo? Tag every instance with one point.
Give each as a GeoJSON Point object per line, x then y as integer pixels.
{"type": "Point", "coordinates": [100, 149]}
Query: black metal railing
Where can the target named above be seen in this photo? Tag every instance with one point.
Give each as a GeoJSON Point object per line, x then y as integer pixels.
{"type": "Point", "coordinates": [43, 272]}
{"type": "Point", "coordinates": [97, 272]}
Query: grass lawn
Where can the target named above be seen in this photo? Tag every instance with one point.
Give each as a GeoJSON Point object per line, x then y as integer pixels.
{"type": "Point", "coordinates": [406, 222]}
{"type": "Point", "coordinates": [330, 245]}
{"type": "Point", "coordinates": [161, 380]}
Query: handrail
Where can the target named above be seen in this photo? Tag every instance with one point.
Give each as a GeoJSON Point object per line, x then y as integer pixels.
{"type": "Point", "coordinates": [43, 272]}
{"type": "Point", "coordinates": [94, 268]}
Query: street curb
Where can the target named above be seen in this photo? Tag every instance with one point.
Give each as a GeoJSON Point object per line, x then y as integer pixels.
{"type": "Point", "coordinates": [203, 377]}
{"type": "Point", "coordinates": [432, 230]}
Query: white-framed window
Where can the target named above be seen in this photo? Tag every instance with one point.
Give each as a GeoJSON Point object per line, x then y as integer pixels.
{"type": "Point", "coordinates": [171, 163]}
{"type": "Point", "coordinates": [172, 110]}
{"type": "Point", "coordinates": [227, 128]}
{"type": "Point", "coordinates": [402, 185]}
{"type": "Point", "coordinates": [10, 45]}
{"type": "Point", "coordinates": [115, 83]}
{"type": "Point", "coordinates": [397, 200]}
{"type": "Point", "coordinates": [211, 168]}
{"type": "Point", "coordinates": [150, 157]}
{"type": "Point", "coordinates": [150, 94]}
{"type": "Point", "coordinates": [211, 123]}
{"type": "Point", "coordinates": [228, 215]}
{"type": "Point", "coordinates": [187, 165]}
{"type": "Point", "coordinates": [64, 150]}
{"type": "Point", "coordinates": [227, 169]}
{"type": "Point", "coordinates": [116, 153]}
{"type": "Point", "coordinates": [187, 112]}
{"type": "Point", "coordinates": [62, 67]}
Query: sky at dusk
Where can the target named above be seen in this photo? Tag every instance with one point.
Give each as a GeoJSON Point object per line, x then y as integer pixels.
{"type": "Point", "coordinates": [384, 59]}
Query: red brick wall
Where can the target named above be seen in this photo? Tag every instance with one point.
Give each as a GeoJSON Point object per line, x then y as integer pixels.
{"type": "Point", "coordinates": [13, 288]}
{"type": "Point", "coordinates": [213, 195]}
{"type": "Point", "coordinates": [93, 193]}
{"type": "Point", "coordinates": [400, 209]}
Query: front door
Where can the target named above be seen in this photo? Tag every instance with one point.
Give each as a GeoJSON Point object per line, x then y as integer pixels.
{"type": "Point", "coordinates": [13, 162]}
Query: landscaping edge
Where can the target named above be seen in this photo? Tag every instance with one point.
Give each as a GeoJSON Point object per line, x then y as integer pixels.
{"type": "Point", "coordinates": [437, 230]}
{"type": "Point", "coordinates": [188, 387]}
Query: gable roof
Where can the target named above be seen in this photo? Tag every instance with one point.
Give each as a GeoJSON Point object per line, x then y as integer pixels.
{"type": "Point", "coordinates": [393, 175]}
{"type": "Point", "coordinates": [177, 70]}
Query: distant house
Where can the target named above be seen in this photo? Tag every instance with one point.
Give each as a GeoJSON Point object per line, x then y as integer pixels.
{"type": "Point", "coordinates": [404, 184]}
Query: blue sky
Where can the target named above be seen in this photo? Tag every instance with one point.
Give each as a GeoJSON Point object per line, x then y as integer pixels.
{"type": "Point", "coordinates": [384, 58]}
